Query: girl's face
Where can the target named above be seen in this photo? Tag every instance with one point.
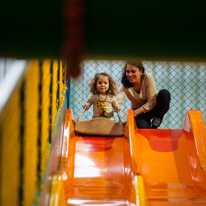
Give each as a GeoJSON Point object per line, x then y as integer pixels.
{"type": "Point", "coordinates": [133, 74]}
{"type": "Point", "coordinates": [102, 84]}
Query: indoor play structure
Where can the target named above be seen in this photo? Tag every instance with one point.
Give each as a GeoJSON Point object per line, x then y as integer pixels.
{"type": "Point", "coordinates": [42, 160]}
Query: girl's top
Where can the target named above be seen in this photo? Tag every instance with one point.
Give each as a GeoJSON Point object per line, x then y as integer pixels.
{"type": "Point", "coordinates": [145, 99]}
{"type": "Point", "coordinates": [103, 105]}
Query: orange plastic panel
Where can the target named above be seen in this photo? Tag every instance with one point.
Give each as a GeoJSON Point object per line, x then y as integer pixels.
{"type": "Point", "coordinates": [171, 163]}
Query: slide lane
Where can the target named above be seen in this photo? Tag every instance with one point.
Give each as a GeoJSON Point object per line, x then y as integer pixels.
{"type": "Point", "coordinates": [172, 163]}
{"type": "Point", "coordinates": [96, 170]}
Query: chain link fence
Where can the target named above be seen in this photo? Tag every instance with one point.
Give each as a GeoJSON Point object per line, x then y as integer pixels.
{"type": "Point", "coordinates": [186, 82]}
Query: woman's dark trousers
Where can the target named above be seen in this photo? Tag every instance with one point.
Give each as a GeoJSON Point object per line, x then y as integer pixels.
{"type": "Point", "coordinates": [153, 118]}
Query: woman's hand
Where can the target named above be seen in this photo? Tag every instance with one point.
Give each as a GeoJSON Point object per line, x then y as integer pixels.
{"type": "Point", "coordinates": [86, 106]}
{"type": "Point", "coordinates": [137, 112]}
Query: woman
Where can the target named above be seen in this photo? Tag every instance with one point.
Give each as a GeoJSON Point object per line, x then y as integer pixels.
{"type": "Point", "coordinates": [148, 104]}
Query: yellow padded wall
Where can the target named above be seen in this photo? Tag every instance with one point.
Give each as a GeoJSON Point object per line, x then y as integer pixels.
{"type": "Point", "coordinates": [31, 132]}
{"type": "Point", "coordinates": [62, 83]}
{"type": "Point", "coordinates": [27, 125]}
{"type": "Point", "coordinates": [45, 104]}
{"type": "Point", "coordinates": [54, 95]}
{"type": "Point", "coordinates": [10, 151]}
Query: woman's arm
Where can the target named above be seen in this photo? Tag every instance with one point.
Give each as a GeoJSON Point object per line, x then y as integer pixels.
{"type": "Point", "coordinates": [150, 92]}
{"type": "Point", "coordinates": [138, 111]}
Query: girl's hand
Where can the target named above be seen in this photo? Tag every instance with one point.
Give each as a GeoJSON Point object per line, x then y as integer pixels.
{"type": "Point", "coordinates": [117, 109]}
{"type": "Point", "coordinates": [86, 106]}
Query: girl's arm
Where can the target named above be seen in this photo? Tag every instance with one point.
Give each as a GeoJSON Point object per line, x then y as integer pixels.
{"type": "Point", "coordinates": [120, 96]}
{"type": "Point", "coordinates": [89, 103]}
{"type": "Point", "coordinates": [115, 105]}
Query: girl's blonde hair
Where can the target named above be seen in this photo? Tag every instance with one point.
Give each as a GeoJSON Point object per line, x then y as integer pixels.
{"type": "Point", "coordinates": [112, 84]}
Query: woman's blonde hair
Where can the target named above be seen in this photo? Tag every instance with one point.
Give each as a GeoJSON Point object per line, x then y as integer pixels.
{"type": "Point", "coordinates": [112, 84]}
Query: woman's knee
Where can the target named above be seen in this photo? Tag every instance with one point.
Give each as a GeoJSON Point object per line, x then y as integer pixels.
{"type": "Point", "coordinates": [142, 123]}
{"type": "Point", "coordinates": [164, 95]}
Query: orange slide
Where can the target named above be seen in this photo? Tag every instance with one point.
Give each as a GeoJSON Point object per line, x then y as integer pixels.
{"type": "Point", "coordinates": [155, 167]}
{"type": "Point", "coordinates": [173, 162]}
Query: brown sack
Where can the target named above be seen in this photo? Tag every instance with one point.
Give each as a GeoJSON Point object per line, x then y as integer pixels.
{"type": "Point", "coordinates": [99, 126]}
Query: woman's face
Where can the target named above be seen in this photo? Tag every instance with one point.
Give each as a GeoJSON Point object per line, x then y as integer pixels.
{"type": "Point", "coordinates": [133, 74]}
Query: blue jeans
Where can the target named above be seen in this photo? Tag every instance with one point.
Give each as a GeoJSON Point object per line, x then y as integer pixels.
{"type": "Point", "coordinates": [144, 120]}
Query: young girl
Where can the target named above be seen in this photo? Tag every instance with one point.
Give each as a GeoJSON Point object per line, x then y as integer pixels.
{"type": "Point", "coordinates": [103, 89]}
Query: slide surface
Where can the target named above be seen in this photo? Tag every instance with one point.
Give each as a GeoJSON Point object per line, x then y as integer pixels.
{"type": "Point", "coordinates": [172, 163]}
{"type": "Point", "coordinates": [98, 171]}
